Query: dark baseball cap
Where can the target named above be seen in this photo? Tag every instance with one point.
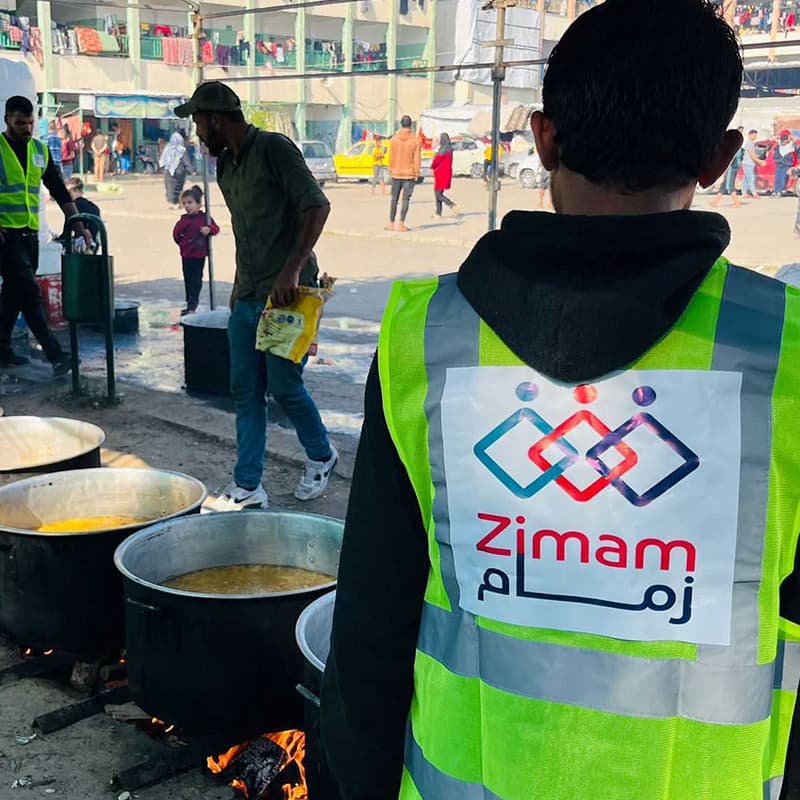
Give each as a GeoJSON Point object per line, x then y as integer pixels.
{"type": "Point", "coordinates": [212, 96]}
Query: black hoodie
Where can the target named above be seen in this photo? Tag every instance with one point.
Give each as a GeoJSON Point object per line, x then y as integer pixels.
{"type": "Point", "coordinates": [551, 287]}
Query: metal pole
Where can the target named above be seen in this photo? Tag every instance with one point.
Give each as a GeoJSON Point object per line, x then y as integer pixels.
{"type": "Point", "coordinates": [211, 302]}
{"type": "Point", "coordinates": [197, 22]}
{"type": "Point", "coordinates": [498, 76]}
{"type": "Point", "coordinates": [777, 8]}
{"type": "Point", "coordinates": [81, 154]}
{"type": "Point", "coordinates": [73, 344]}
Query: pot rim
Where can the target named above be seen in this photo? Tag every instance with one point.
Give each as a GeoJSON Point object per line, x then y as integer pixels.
{"type": "Point", "coordinates": [302, 623]}
{"type": "Point", "coordinates": [77, 454]}
{"type": "Point", "coordinates": [63, 476]}
{"type": "Point", "coordinates": [151, 530]}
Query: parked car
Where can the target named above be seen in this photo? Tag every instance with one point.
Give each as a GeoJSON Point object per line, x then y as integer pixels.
{"type": "Point", "coordinates": [468, 158]}
{"type": "Point", "coordinates": [357, 162]}
{"type": "Point", "coordinates": [528, 170]}
{"type": "Point", "coordinates": [319, 159]}
{"type": "Point", "coordinates": [765, 174]}
{"type": "Point", "coordinates": [512, 161]}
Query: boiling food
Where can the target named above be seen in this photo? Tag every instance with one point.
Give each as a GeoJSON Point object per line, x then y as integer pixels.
{"type": "Point", "coordinates": [91, 523]}
{"type": "Point", "coordinates": [248, 579]}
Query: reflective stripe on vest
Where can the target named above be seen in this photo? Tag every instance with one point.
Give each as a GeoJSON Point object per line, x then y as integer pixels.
{"type": "Point", "coordinates": [725, 686]}
{"type": "Point", "coordinates": [19, 191]}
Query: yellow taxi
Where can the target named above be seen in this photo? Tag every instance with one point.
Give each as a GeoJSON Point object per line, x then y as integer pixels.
{"type": "Point", "coordinates": [358, 161]}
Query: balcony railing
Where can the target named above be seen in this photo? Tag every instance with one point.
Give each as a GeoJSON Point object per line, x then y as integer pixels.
{"type": "Point", "coordinates": [412, 55]}
{"type": "Point", "coordinates": [151, 48]}
{"type": "Point", "coordinates": [322, 59]}
{"type": "Point", "coordinates": [263, 59]}
{"type": "Point", "coordinates": [6, 43]}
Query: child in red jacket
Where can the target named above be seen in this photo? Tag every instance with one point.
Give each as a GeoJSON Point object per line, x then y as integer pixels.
{"type": "Point", "coordinates": [191, 235]}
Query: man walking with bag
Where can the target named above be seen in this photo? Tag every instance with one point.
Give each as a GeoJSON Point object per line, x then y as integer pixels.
{"type": "Point", "coordinates": [278, 212]}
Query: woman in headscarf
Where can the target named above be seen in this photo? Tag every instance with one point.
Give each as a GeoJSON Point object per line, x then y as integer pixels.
{"type": "Point", "coordinates": [175, 163]}
{"type": "Point", "coordinates": [443, 176]}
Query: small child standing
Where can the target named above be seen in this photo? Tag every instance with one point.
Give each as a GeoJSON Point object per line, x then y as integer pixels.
{"type": "Point", "coordinates": [191, 235]}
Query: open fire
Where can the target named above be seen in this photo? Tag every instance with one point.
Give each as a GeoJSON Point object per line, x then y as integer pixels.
{"type": "Point", "coordinates": [272, 766]}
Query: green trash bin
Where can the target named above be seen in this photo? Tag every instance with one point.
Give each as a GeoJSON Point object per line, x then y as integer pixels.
{"type": "Point", "coordinates": [87, 295]}
{"type": "Point", "coordinates": [87, 282]}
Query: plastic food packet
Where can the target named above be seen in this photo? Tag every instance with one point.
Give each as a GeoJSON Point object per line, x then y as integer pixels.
{"type": "Point", "coordinates": [290, 332]}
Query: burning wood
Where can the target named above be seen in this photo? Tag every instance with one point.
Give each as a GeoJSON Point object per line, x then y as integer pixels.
{"type": "Point", "coordinates": [269, 768]}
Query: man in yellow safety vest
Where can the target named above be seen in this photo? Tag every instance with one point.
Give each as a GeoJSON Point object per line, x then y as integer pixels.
{"type": "Point", "coordinates": [568, 569]}
{"type": "Point", "coordinates": [25, 163]}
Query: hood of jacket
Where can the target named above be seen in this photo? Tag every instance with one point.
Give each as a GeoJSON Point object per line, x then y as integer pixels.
{"type": "Point", "coordinates": [577, 297]}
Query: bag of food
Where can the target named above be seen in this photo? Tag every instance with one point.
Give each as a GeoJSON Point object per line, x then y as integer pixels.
{"type": "Point", "coordinates": [290, 332]}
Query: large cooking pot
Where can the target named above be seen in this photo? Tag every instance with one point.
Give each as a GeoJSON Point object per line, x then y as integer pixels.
{"type": "Point", "coordinates": [221, 664]}
{"type": "Point", "coordinates": [313, 634]}
{"type": "Point", "coordinates": [61, 590]}
{"type": "Point", "coordinates": [48, 444]}
{"type": "Point", "coordinates": [206, 354]}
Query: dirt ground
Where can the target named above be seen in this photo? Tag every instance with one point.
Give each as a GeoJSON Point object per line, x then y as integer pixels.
{"type": "Point", "coordinates": [77, 763]}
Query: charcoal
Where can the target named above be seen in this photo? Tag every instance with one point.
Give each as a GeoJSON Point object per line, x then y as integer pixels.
{"type": "Point", "coordinates": [257, 766]}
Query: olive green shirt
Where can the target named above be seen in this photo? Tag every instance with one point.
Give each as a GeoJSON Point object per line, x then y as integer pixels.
{"type": "Point", "coordinates": [266, 189]}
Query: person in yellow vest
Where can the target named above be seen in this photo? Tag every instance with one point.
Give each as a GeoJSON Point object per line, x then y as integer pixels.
{"type": "Point", "coordinates": [25, 164]}
{"type": "Point", "coordinates": [378, 165]}
{"type": "Point", "coordinates": [568, 568]}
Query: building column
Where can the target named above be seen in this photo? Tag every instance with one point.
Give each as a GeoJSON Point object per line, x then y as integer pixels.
{"type": "Point", "coordinates": [430, 52]}
{"type": "Point", "coordinates": [133, 20]}
{"type": "Point", "coordinates": [348, 110]}
{"type": "Point", "coordinates": [250, 36]}
{"type": "Point", "coordinates": [777, 9]}
{"type": "Point", "coordinates": [391, 63]}
{"type": "Point", "coordinates": [572, 9]}
{"type": "Point", "coordinates": [44, 20]}
{"type": "Point", "coordinates": [302, 93]}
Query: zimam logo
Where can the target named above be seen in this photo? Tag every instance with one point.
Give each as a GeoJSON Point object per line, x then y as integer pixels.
{"type": "Point", "coordinates": [608, 440]}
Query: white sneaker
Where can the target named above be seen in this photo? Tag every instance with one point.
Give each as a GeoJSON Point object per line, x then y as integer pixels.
{"type": "Point", "coordinates": [315, 477]}
{"type": "Point", "coordinates": [236, 498]}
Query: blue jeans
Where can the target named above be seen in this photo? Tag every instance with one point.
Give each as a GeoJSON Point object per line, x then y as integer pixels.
{"type": "Point", "coordinates": [749, 182]}
{"type": "Point", "coordinates": [251, 371]}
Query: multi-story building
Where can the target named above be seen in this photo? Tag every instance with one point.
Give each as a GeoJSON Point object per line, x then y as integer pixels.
{"type": "Point", "coordinates": [131, 60]}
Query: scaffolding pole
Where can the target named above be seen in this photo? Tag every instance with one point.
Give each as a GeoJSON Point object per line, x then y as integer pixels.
{"type": "Point", "coordinates": [197, 30]}
{"type": "Point", "coordinates": [498, 76]}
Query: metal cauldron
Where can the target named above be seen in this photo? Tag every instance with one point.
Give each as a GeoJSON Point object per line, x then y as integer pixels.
{"type": "Point", "coordinates": [61, 590]}
{"type": "Point", "coordinates": [221, 664]}
{"type": "Point", "coordinates": [313, 634]}
{"type": "Point", "coordinates": [48, 444]}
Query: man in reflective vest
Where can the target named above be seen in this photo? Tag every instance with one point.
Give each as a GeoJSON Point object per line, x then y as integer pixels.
{"type": "Point", "coordinates": [568, 565]}
{"type": "Point", "coordinates": [25, 164]}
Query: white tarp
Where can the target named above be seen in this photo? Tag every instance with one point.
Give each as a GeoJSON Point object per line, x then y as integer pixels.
{"type": "Point", "coordinates": [476, 120]}
{"type": "Point", "coordinates": [465, 25]}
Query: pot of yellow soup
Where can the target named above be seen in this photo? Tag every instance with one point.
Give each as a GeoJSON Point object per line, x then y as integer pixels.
{"type": "Point", "coordinates": [211, 604]}
{"type": "Point", "coordinates": [58, 533]}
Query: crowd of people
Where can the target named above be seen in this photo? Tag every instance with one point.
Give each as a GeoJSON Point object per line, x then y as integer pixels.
{"type": "Point", "coordinates": [758, 17]}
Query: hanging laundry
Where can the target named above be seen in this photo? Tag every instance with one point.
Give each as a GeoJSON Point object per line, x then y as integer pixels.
{"type": "Point", "coordinates": [208, 52]}
{"type": "Point", "coordinates": [403, 7]}
{"type": "Point", "coordinates": [186, 52]}
{"type": "Point", "coordinates": [170, 51]}
{"type": "Point", "coordinates": [223, 55]}
{"type": "Point", "coordinates": [88, 41]}
{"type": "Point", "coordinates": [36, 46]}
{"type": "Point", "coordinates": [15, 34]}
